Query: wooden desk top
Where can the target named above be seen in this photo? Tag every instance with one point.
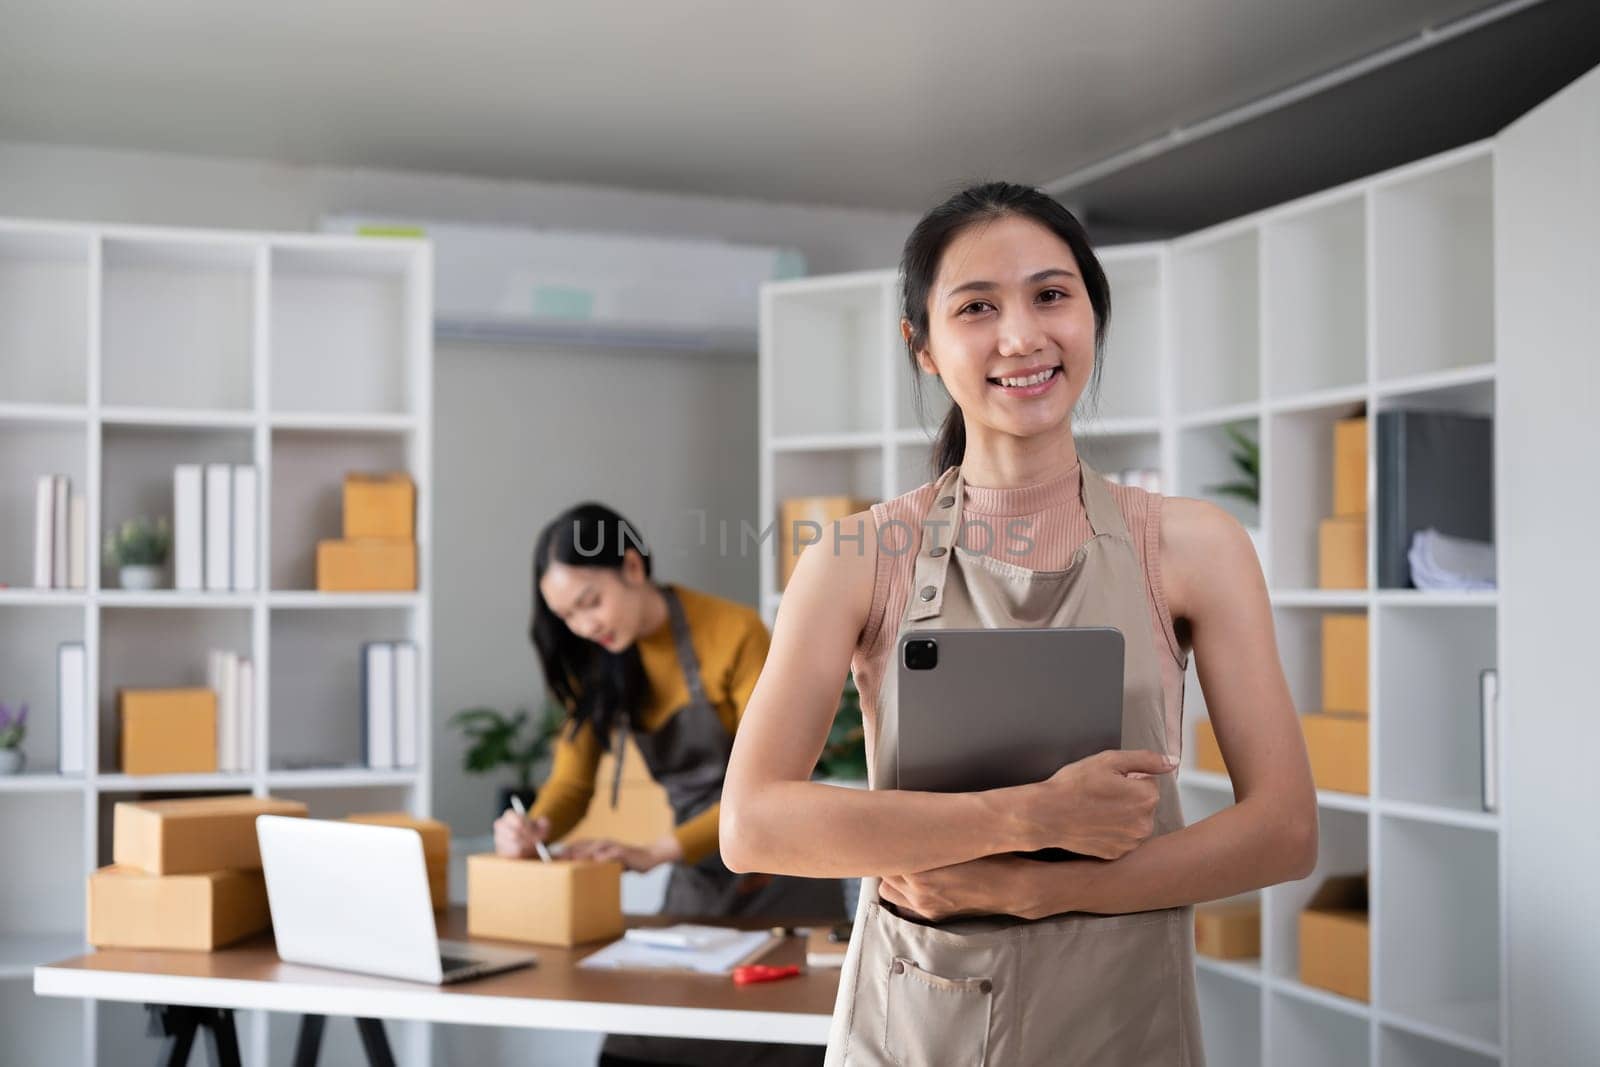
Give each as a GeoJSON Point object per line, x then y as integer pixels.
{"type": "Point", "coordinates": [556, 994]}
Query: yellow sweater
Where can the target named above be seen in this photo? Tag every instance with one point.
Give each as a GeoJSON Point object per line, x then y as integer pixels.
{"type": "Point", "coordinates": [731, 642]}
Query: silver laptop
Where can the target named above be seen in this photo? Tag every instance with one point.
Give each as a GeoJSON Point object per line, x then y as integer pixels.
{"type": "Point", "coordinates": [355, 897]}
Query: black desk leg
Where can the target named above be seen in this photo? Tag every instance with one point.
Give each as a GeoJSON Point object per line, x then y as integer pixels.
{"type": "Point", "coordinates": [376, 1044]}
{"type": "Point", "coordinates": [175, 1025]}
{"type": "Point", "coordinates": [309, 1044]}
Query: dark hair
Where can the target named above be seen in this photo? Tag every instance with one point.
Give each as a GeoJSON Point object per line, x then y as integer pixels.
{"type": "Point", "coordinates": [593, 684]}
{"type": "Point", "coordinates": [919, 266]}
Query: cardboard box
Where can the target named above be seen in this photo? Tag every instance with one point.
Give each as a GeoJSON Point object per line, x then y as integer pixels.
{"type": "Point", "coordinates": [167, 731]}
{"type": "Point", "coordinates": [369, 565]}
{"type": "Point", "coordinates": [132, 909]}
{"type": "Point", "coordinates": [1228, 930]}
{"type": "Point", "coordinates": [1350, 467]}
{"type": "Point", "coordinates": [822, 510]}
{"type": "Point", "coordinates": [1344, 662]}
{"type": "Point", "coordinates": [435, 847]}
{"type": "Point", "coordinates": [380, 505]}
{"type": "Point", "coordinates": [193, 835]}
{"type": "Point", "coordinates": [561, 903]}
{"type": "Point", "coordinates": [1207, 753]}
{"type": "Point", "coordinates": [1335, 944]}
{"type": "Point", "coordinates": [1337, 745]}
{"type": "Point", "coordinates": [1342, 553]}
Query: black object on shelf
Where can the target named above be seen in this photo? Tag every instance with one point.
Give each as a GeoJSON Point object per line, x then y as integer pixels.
{"type": "Point", "coordinates": [1435, 469]}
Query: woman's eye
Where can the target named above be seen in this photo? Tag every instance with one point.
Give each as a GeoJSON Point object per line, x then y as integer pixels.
{"type": "Point", "coordinates": [976, 306]}
{"type": "Point", "coordinates": [1052, 296]}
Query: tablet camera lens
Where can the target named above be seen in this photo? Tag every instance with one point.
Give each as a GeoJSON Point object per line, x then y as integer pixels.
{"type": "Point", "coordinates": [922, 655]}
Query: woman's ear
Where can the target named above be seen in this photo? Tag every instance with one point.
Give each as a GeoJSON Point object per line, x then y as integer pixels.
{"type": "Point", "coordinates": [924, 360]}
{"type": "Point", "coordinates": [632, 567]}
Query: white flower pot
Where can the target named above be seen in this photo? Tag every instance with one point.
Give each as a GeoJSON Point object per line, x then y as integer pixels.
{"type": "Point", "coordinates": [140, 576]}
{"type": "Point", "coordinates": [12, 760]}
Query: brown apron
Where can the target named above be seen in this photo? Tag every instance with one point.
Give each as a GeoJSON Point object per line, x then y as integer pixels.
{"type": "Point", "coordinates": [688, 756]}
{"type": "Point", "coordinates": [1070, 989]}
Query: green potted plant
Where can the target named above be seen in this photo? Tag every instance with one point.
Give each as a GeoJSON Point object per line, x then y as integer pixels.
{"type": "Point", "coordinates": [1246, 458]}
{"type": "Point", "coordinates": [517, 741]}
{"type": "Point", "coordinates": [138, 549]}
{"type": "Point", "coordinates": [13, 728]}
{"type": "Point", "coordinates": [844, 753]}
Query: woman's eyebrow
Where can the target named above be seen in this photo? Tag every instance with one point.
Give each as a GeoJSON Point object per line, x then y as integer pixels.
{"type": "Point", "coordinates": [985, 287]}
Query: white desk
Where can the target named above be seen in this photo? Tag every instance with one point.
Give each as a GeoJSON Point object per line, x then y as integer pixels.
{"type": "Point", "coordinates": [555, 995]}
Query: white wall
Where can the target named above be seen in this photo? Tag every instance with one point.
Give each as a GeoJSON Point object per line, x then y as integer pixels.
{"type": "Point", "coordinates": [520, 433]}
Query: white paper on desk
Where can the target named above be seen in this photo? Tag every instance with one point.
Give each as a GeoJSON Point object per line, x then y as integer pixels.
{"type": "Point", "coordinates": [626, 955]}
{"type": "Point", "coordinates": [684, 936]}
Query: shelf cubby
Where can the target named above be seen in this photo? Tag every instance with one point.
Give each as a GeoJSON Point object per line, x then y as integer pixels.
{"type": "Point", "coordinates": [137, 471]}
{"type": "Point", "coordinates": [829, 346]}
{"type": "Point", "coordinates": [178, 323]}
{"type": "Point", "coordinates": [913, 467]}
{"type": "Point", "coordinates": [1430, 740]}
{"type": "Point", "coordinates": [159, 649]}
{"type": "Point", "coordinates": [1298, 476]}
{"type": "Point", "coordinates": [1204, 461]}
{"type": "Point", "coordinates": [1130, 373]}
{"type": "Point", "coordinates": [1232, 1010]}
{"type": "Point", "coordinates": [315, 684]}
{"type": "Point", "coordinates": [40, 1029]}
{"type": "Point", "coordinates": [308, 470]}
{"type": "Point", "coordinates": [29, 638]}
{"type": "Point", "coordinates": [1343, 850]}
{"type": "Point", "coordinates": [1112, 453]}
{"type": "Point", "coordinates": [1299, 632]}
{"type": "Point", "coordinates": [1434, 290]}
{"type": "Point", "coordinates": [834, 472]}
{"type": "Point", "coordinates": [1400, 1048]}
{"type": "Point", "coordinates": [1217, 319]}
{"type": "Point", "coordinates": [29, 449]}
{"type": "Point", "coordinates": [1319, 1034]}
{"type": "Point", "coordinates": [42, 894]}
{"type": "Point", "coordinates": [1439, 924]}
{"type": "Point", "coordinates": [44, 328]}
{"type": "Point", "coordinates": [338, 317]}
{"type": "Point", "coordinates": [1315, 299]}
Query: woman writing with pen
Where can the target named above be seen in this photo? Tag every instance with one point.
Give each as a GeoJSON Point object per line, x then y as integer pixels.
{"type": "Point", "coordinates": [673, 669]}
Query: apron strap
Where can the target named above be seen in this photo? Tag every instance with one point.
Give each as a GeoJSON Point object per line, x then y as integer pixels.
{"type": "Point", "coordinates": [688, 662]}
{"type": "Point", "coordinates": [1104, 515]}
{"type": "Point", "coordinates": [943, 521]}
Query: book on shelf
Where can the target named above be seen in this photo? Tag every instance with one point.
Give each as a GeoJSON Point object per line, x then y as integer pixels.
{"type": "Point", "coordinates": [377, 691]}
{"type": "Point", "coordinates": [405, 704]}
{"type": "Point", "coordinates": [245, 533]}
{"type": "Point", "coordinates": [219, 527]}
{"type": "Point", "coordinates": [59, 521]}
{"type": "Point", "coordinates": [61, 529]}
{"type": "Point", "coordinates": [1489, 724]}
{"type": "Point", "coordinates": [44, 538]}
{"type": "Point", "coordinates": [72, 705]}
{"type": "Point", "coordinates": [1435, 470]}
{"type": "Point", "coordinates": [78, 530]}
{"type": "Point", "coordinates": [188, 527]}
{"type": "Point", "coordinates": [232, 678]}
{"type": "Point", "coordinates": [245, 719]}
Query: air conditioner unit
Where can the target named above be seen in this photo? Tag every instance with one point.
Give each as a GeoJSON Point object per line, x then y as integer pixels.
{"type": "Point", "coordinates": [571, 287]}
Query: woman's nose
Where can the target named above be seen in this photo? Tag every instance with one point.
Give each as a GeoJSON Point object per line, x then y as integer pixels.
{"type": "Point", "coordinates": [1020, 332]}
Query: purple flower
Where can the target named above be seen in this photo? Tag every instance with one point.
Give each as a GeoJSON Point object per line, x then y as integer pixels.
{"type": "Point", "coordinates": [12, 725]}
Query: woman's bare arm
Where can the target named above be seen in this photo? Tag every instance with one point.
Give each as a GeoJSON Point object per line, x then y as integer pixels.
{"type": "Point", "coordinates": [1213, 580]}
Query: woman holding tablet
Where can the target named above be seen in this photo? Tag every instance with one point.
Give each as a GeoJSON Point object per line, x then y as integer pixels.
{"type": "Point", "coordinates": [672, 668]}
{"type": "Point", "coordinates": [963, 951]}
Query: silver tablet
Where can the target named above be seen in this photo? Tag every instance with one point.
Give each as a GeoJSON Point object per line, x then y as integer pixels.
{"type": "Point", "coordinates": [982, 709]}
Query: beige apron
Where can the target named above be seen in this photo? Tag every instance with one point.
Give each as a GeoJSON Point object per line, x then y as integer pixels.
{"type": "Point", "coordinates": [1111, 990]}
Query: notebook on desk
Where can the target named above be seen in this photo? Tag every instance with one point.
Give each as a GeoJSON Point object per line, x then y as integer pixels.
{"type": "Point", "coordinates": [696, 953]}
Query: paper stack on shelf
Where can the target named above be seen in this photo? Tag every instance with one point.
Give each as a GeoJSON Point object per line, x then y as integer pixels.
{"type": "Point", "coordinates": [232, 678]}
{"type": "Point", "coordinates": [60, 515]}
{"type": "Point", "coordinates": [1439, 561]}
{"type": "Point", "coordinates": [389, 695]}
{"type": "Point", "coordinates": [215, 527]}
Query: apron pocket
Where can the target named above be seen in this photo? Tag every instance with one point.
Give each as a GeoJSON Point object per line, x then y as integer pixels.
{"type": "Point", "coordinates": [930, 1019]}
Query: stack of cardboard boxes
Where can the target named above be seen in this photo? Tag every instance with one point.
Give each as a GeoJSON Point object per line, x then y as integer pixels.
{"type": "Point", "coordinates": [808, 520]}
{"type": "Point", "coordinates": [167, 731]}
{"type": "Point", "coordinates": [1342, 538]}
{"type": "Point", "coordinates": [379, 549]}
{"type": "Point", "coordinates": [1335, 947]}
{"type": "Point", "coordinates": [186, 874]}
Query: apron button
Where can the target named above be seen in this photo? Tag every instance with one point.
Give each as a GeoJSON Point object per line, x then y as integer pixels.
{"type": "Point", "coordinates": [985, 986]}
{"type": "Point", "coordinates": [947, 501]}
{"type": "Point", "coordinates": [937, 552]}
{"type": "Point", "coordinates": [899, 967]}
{"type": "Point", "coordinates": [928, 592]}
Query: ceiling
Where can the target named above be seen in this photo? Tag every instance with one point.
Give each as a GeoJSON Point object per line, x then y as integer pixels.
{"type": "Point", "coordinates": [883, 104]}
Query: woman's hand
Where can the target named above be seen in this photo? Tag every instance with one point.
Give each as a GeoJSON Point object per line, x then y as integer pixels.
{"type": "Point", "coordinates": [994, 885]}
{"type": "Point", "coordinates": [632, 857]}
{"type": "Point", "coordinates": [1102, 806]}
{"type": "Point", "coordinates": [517, 837]}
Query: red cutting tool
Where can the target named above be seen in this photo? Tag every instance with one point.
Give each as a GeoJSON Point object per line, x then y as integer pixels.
{"type": "Point", "coordinates": [760, 972]}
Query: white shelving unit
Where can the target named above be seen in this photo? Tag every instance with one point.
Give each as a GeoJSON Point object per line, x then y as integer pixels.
{"type": "Point", "coordinates": [1375, 295]}
{"type": "Point", "coordinates": [123, 352]}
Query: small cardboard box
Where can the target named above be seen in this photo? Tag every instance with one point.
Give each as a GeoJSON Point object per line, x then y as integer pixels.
{"type": "Point", "coordinates": [1334, 940]}
{"type": "Point", "coordinates": [204, 911]}
{"type": "Point", "coordinates": [435, 847]}
{"type": "Point", "coordinates": [380, 505]}
{"type": "Point", "coordinates": [1342, 553]}
{"type": "Point", "coordinates": [1350, 467]}
{"type": "Point", "coordinates": [1337, 745]}
{"type": "Point", "coordinates": [560, 903]}
{"type": "Point", "coordinates": [822, 510]}
{"type": "Point", "coordinates": [1228, 930]}
{"type": "Point", "coordinates": [167, 731]}
{"type": "Point", "coordinates": [368, 565]}
{"type": "Point", "coordinates": [193, 835]}
{"type": "Point", "coordinates": [1207, 753]}
{"type": "Point", "coordinates": [1344, 662]}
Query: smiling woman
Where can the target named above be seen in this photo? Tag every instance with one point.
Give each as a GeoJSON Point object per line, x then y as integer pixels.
{"type": "Point", "coordinates": [962, 950]}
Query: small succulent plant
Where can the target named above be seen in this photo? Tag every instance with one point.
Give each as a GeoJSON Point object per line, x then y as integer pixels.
{"type": "Point", "coordinates": [140, 542]}
{"type": "Point", "coordinates": [13, 724]}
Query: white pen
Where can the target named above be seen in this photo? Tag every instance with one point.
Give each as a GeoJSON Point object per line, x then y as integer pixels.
{"type": "Point", "coordinates": [516, 803]}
